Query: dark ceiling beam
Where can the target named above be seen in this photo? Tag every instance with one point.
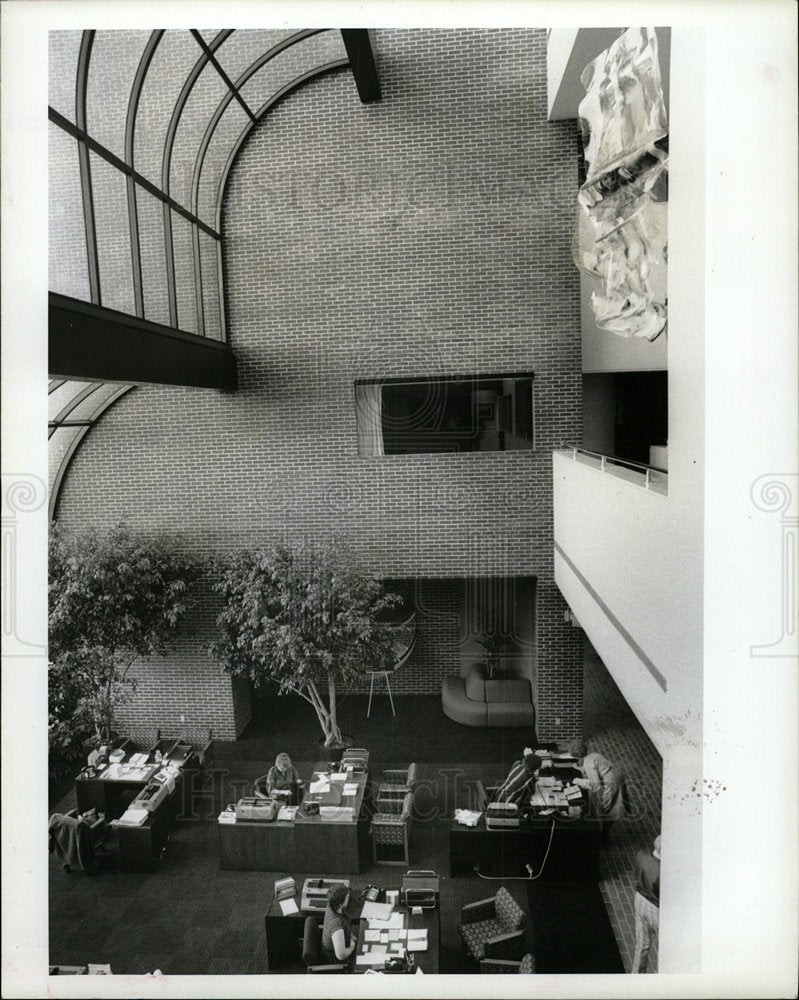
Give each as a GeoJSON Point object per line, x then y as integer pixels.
{"type": "Point", "coordinates": [95, 343]}
{"type": "Point", "coordinates": [358, 43]}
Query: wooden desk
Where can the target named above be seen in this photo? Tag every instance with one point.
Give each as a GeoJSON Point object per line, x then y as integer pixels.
{"type": "Point", "coordinates": [284, 934]}
{"type": "Point", "coordinates": [429, 920]}
{"type": "Point", "coordinates": [140, 847]}
{"type": "Point", "coordinates": [297, 846]}
{"type": "Point", "coordinates": [103, 793]}
{"type": "Point", "coordinates": [573, 854]}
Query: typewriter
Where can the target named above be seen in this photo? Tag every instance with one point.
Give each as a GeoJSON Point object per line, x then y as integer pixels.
{"type": "Point", "coordinates": [313, 898]}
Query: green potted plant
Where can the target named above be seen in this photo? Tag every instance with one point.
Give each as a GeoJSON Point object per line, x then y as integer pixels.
{"type": "Point", "coordinates": [113, 598]}
{"type": "Point", "coordinates": [306, 617]}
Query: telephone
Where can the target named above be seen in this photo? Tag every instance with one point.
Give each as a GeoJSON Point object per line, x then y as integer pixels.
{"type": "Point", "coordinates": [372, 894]}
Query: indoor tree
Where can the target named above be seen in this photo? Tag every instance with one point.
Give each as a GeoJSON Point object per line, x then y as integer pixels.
{"type": "Point", "coordinates": [306, 617]}
{"type": "Point", "coordinates": [113, 597]}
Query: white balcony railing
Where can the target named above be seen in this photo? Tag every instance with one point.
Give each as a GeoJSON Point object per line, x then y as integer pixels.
{"type": "Point", "coordinates": [644, 475]}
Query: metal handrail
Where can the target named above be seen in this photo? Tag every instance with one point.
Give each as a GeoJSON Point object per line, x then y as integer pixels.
{"type": "Point", "coordinates": [604, 460]}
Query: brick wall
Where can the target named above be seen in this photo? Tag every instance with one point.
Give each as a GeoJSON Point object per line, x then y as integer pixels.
{"type": "Point", "coordinates": [438, 641]}
{"type": "Point", "coordinates": [427, 234]}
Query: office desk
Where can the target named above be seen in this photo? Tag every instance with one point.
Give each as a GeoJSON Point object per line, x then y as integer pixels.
{"type": "Point", "coordinates": [299, 845]}
{"type": "Point", "coordinates": [140, 847]}
{"type": "Point", "coordinates": [573, 855]}
{"type": "Point", "coordinates": [103, 792]}
{"type": "Point", "coordinates": [284, 933]}
{"type": "Point", "coordinates": [429, 920]}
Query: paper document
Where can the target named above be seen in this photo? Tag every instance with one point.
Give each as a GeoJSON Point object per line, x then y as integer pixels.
{"type": "Point", "coordinates": [417, 934]}
{"type": "Point", "coordinates": [369, 959]}
{"type": "Point", "coordinates": [338, 776]}
{"type": "Point", "coordinates": [288, 906]}
{"type": "Point", "coordinates": [350, 789]}
{"type": "Point", "coordinates": [378, 949]}
{"type": "Point", "coordinates": [370, 935]}
{"type": "Point", "coordinates": [377, 911]}
{"type": "Point", "coordinates": [394, 934]}
{"type": "Point", "coordinates": [417, 945]}
{"type": "Point", "coordinates": [322, 785]}
{"type": "Point", "coordinates": [397, 949]}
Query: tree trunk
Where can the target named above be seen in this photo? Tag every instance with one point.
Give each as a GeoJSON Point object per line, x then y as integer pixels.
{"type": "Point", "coordinates": [326, 717]}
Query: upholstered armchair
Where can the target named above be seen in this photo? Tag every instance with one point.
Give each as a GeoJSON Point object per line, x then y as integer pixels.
{"type": "Point", "coordinates": [391, 830]}
{"type": "Point", "coordinates": [397, 783]}
{"type": "Point", "coordinates": [493, 928]}
{"type": "Point", "coordinates": [508, 966]}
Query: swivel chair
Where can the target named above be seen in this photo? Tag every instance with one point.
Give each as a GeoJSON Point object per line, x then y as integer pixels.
{"type": "Point", "coordinates": [312, 947]}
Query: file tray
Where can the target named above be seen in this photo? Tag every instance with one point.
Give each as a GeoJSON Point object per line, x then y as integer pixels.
{"type": "Point", "coordinates": [420, 888]}
{"type": "Point", "coordinates": [502, 816]}
{"type": "Point", "coordinates": [355, 758]}
{"type": "Point", "coordinates": [256, 810]}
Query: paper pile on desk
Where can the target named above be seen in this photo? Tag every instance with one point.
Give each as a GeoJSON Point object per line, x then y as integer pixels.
{"type": "Point", "coordinates": [351, 788]}
{"type": "Point", "coordinates": [467, 817]}
{"type": "Point", "coordinates": [321, 785]}
{"type": "Point", "coordinates": [370, 958]}
{"type": "Point", "coordinates": [378, 911]}
{"type": "Point", "coordinates": [417, 940]}
{"type": "Point", "coordinates": [133, 817]}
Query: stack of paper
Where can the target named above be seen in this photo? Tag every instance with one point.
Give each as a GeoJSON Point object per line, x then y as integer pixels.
{"type": "Point", "coordinates": [288, 906]}
{"type": "Point", "coordinates": [467, 817]}
{"type": "Point", "coordinates": [350, 788]}
{"type": "Point", "coordinates": [338, 776]}
{"type": "Point", "coordinates": [320, 785]}
{"type": "Point", "coordinates": [417, 940]}
{"type": "Point", "coordinates": [370, 958]}
{"type": "Point", "coordinates": [377, 911]}
{"type": "Point", "coordinates": [133, 817]}
{"type": "Point", "coordinates": [227, 817]}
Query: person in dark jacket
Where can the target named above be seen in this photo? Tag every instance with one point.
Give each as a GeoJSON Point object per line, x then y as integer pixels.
{"type": "Point", "coordinates": [647, 903]}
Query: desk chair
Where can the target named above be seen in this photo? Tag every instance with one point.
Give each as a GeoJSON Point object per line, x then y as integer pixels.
{"type": "Point", "coordinates": [312, 947]}
{"type": "Point", "coordinates": [75, 840]}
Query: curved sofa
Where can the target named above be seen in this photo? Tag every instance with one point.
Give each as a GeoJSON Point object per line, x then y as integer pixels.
{"type": "Point", "coordinates": [474, 701]}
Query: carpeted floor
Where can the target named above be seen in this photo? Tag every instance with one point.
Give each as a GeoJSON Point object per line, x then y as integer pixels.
{"type": "Point", "coordinates": [571, 929]}
{"type": "Point", "coordinates": [193, 918]}
{"type": "Point", "coordinates": [419, 728]}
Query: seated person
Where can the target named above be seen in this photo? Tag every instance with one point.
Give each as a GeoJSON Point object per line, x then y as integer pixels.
{"type": "Point", "coordinates": [338, 941]}
{"type": "Point", "coordinates": [520, 782]}
{"type": "Point", "coordinates": [283, 783]}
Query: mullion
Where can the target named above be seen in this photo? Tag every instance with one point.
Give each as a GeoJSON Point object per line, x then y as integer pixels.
{"type": "Point", "coordinates": [84, 165]}
{"type": "Point", "coordinates": [106, 154]}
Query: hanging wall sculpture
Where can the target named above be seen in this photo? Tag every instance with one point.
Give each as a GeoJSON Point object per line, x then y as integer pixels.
{"type": "Point", "coordinates": [622, 228]}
